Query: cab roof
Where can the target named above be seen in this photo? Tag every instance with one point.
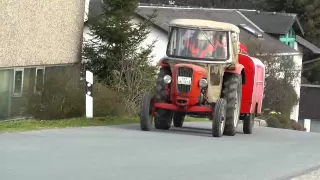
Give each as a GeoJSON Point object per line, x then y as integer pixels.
{"type": "Point", "coordinates": [195, 23]}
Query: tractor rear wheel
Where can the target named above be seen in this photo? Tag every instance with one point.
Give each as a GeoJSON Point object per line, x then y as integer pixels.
{"type": "Point", "coordinates": [146, 112]}
{"type": "Point", "coordinates": [163, 117]}
{"type": "Point", "coordinates": [232, 93]}
{"type": "Point", "coordinates": [178, 119]}
{"type": "Point", "coordinates": [248, 123]}
{"type": "Point", "coordinates": [219, 117]}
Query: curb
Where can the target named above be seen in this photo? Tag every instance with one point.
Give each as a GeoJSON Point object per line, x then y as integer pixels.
{"type": "Point", "coordinates": [260, 122]}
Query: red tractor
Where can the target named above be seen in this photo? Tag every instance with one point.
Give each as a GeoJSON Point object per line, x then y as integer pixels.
{"type": "Point", "coordinates": [206, 73]}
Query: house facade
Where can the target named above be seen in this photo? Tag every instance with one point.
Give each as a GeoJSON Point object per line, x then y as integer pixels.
{"type": "Point", "coordinates": [287, 28]}
{"type": "Point", "coordinates": [37, 37]}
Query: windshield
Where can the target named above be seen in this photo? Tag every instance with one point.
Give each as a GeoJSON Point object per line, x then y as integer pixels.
{"type": "Point", "coordinates": [198, 44]}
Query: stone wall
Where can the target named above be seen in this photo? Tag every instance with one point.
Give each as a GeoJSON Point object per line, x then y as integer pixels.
{"type": "Point", "coordinates": [40, 32]}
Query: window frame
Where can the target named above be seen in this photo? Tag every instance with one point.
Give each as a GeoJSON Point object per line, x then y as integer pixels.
{"type": "Point", "coordinates": [289, 38]}
{"type": "Point", "coordinates": [36, 77]}
{"type": "Point", "coordinates": [14, 82]}
{"type": "Point", "coordinates": [195, 58]}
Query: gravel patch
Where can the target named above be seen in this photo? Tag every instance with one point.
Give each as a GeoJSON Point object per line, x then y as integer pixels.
{"type": "Point", "coordinates": [313, 175]}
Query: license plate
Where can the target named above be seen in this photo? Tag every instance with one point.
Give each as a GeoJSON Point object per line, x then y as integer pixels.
{"type": "Point", "coordinates": [184, 80]}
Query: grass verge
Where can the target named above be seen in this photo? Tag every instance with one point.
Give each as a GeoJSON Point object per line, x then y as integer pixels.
{"type": "Point", "coordinates": [29, 125]}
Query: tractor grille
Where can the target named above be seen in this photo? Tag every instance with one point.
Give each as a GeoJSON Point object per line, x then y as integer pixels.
{"type": "Point", "coordinates": [185, 72]}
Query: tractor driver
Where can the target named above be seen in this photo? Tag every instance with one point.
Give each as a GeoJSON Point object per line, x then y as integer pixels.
{"type": "Point", "coordinates": [199, 45]}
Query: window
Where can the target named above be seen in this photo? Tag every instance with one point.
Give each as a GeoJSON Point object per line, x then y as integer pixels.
{"type": "Point", "coordinates": [289, 38]}
{"type": "Point", "coordinates": [198, 44]}
{"type": "Point", "coordinates": [39, 80]}
{"type": "Point", "coordinates": [18, 82]}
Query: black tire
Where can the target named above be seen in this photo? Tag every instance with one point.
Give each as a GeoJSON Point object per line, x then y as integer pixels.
{"type": "Point", "coordinates": [232, 93]}
{"type": "Point", "coordinates": [146, 112]}
{"type": "Point", "coordinates": [219, 117]}
{"type": "Point", "coordinates": [163, 121]}
{"type": "Point", "coordinates": [248, 124]}
{"type": "Point", "coordinates": [178, 119]}
{"type": "Point", "coordinates": [163, 117]}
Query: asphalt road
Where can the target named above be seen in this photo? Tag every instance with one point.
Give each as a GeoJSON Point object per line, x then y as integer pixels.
{"type": "Point", "coordinates": [126, 153]}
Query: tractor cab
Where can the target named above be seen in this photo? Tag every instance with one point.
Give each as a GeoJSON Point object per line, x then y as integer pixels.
{"type": "Point", "coordinates": [204, 41]}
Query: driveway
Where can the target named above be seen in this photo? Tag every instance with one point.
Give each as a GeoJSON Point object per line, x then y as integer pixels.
{"type": "Point", "coordinates": [125, 152]}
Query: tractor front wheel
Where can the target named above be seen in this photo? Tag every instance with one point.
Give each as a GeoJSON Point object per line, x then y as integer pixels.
{"type": "Point", "coordinates": [163, 117]}
{"type": "Point", "coordinates": [232, 93]}
{"type": "Point", "coordinates": [178, 119]}
{"type": "Point", "coordinates": [146, 112]}
{"type": "Point", "coordinates": [219, 117]}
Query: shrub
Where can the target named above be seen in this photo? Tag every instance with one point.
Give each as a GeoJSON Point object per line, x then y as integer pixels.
{"type": "Point", "coordinates": [273, 121]}
{"type": "Point", "coordinates": [297, 126]}
{"type": "Point", "coordinates": [107, 102]}
{"type": "Point", "coordinates": [63, 96]}
{"type": "Point", "coordinates": [282, 121]}
{"type": "Point", "coordinates": [279, 96]}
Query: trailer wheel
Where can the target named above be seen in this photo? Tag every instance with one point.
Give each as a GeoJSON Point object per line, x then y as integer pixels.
{"type": "Point", "coordinates": [248, 123]}
{"type": "Point", "coordinates": [232, 93]}
{"type": "Point", "coordinates": [178, 119]}
{"type": "Point", "coordinates": [146, 112]}
{"type": "Point", "coordinates": [163, 117]}
{"type": "Point", "coordinates": [219, 117]}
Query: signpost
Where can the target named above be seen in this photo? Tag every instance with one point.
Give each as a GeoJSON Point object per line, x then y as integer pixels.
{"type": "Point", "coordinates": [307, 124]}
{"type": "Point", "coordinates": [89, 98]}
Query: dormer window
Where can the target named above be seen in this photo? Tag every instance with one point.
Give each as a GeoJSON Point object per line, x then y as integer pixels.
{"type": "Point", "coordinates": [289, 38]}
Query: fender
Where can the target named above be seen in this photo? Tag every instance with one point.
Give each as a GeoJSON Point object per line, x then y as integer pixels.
{"type": "Point", "coordinates": [237, 70]}
{"type": "Point", "coordinates": [162, 63]}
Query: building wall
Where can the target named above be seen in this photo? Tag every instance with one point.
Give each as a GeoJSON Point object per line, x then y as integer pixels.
{"type": "Point", "coordinates": [160, 36]}
{"type": "Point", "coordinates": [40, 32]}
{"type": "Point", "coordinates": [6, 77]}
{"type": "Point", "coordinates": [297, 82]}
{"type": "Point", "coordinates": [314, 125]}
{"type": "Point", "coordinates": [13, 102]}
{"type": "Point", "coordinates": [160, 47]}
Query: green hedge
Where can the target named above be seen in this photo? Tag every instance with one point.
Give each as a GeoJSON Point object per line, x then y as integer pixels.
{"type": "Point", "coordinates": [282, 121]}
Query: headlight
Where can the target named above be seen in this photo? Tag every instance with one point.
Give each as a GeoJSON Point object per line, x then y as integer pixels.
{"type": "Point", "coordinates": [203, 83]}
{"type": "Point", "coordinates": [167, 79]}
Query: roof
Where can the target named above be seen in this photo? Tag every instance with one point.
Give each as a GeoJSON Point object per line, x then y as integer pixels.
{"type": "Point", "coordinates": [275, 23]}
{"type": "Point", "coordinates": [165, 14]}
{"type": "Point", "coordinates": [314, 49]}
{"type": "Point", "coordinates": [204, 24]}
{"type": "Point", "coordinates": [268, 44]}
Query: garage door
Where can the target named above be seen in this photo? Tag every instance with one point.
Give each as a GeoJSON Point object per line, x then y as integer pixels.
{"type": "Point", "coordinates": [315, 125]}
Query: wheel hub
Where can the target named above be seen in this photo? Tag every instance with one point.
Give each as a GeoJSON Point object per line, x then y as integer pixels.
{"type": "Point", "coordinates": [236, 111]}
{"type": "Point", "coordinates": [222, 122]}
